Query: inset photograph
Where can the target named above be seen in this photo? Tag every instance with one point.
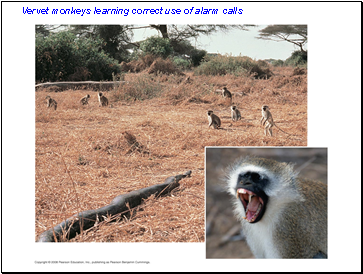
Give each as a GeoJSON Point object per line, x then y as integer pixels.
{"type": "Point", "coordinates": [266, 203]}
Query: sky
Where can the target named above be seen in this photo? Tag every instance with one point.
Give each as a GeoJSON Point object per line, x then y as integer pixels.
{"type": "Point", "coordinates": [235, 42]}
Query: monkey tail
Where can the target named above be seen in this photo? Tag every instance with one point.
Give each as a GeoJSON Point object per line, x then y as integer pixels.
{"type": "Point", "coordinates": [285, 131]}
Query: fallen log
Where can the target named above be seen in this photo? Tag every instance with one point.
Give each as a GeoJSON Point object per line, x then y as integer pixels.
{"type": "Point", "coordinates": [121, 204]}
{"type": "Point", "coordinates": [89, 84]}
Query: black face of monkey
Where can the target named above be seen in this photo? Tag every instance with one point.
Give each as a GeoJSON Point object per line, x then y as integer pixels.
{"type": "Point", "coordinates": [250, 192]}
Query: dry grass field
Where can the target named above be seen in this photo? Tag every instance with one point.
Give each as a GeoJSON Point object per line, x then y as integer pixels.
{"type": "Point", "coordinates": [83, 159]}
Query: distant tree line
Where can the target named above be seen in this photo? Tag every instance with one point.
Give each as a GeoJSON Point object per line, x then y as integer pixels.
{"type": "Point", "coordinates": [84, 52]}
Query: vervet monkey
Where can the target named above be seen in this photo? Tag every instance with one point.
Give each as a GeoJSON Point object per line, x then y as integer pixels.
{"type": "Point", "coordinates": [226, 93]}
{"type": "Point", "coordinates": [51, 102]}
{"type": "Point", "coordinates": [213, 120]}
{"type": "Point", "coordinates": [103, 101]}
{"type": "Point", "coordinates": [282, 215]}
{"type": "Point", "coordinates": [267, 118]}
{"type": "Point", "coordinates": [84, 100]}
{"type": "Point", "coordinates": [235, 113]}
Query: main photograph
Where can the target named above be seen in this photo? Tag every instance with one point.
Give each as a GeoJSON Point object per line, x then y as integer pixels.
{"type": "Point", "coordinates": [124, 112]}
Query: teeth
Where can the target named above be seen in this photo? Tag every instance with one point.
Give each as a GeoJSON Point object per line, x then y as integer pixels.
{"type": "Point", "coordinates": [243, 191]}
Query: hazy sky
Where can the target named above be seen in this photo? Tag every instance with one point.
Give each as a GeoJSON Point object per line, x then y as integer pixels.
{"type": "Point", "coordinates": [236, 42]}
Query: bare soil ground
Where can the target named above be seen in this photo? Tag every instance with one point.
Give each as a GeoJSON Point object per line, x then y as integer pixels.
{"type": "Point", "coordinates": [83, 159]}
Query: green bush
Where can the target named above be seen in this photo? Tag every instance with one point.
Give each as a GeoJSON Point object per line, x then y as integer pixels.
{"type": "Point", "coordinates": [277, 63]}
{"type": "Point", "coordinates": [181, 63]}
{"type": "Point", "coordinates": [156, 46]}
{"type": "Point", "coordinates": [239, 66]}
{"type": "Point", "coordinates": [184, 47]}
{"type": "Point", "coordinates": [197, 56]}
{"type": "Point", "coordinates": [297, 58]}
{"type": "Point", "coordinates": [62, 56]}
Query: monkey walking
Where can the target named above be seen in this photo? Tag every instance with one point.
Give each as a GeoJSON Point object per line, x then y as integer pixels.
{"type": "Point", "coordinates": [84, 100]}
{"type": "Point", "coordinates": [51, 102]}
{"type": "Point", "coordinates": [235, 113]}
{"type": "Point", "coordinates": [213, 120]}
{"type": "Point", "coordinates": [103, 101]}
{"type": "Point", "coordinates": [267, 118]}
{"type": "Point", "coordinates": [282, 215]}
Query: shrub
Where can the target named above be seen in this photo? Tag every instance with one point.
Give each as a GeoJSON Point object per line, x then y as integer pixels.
{"type": "Point", "coordinates": [163, 66]}
{"type": "Point", "coordinates": [197, 56]}
{"type": "Point", "coordinates": [156, 46]}
{"type": "Point", "coordinates": [277, 63]}
{"type": "Point", "coordinates": [239, 66]}
{"type": "Point", "coordinates": [140, 64]}
{"type": "Point", "coordinates": [297, 58]}
{"type": "Point", "coordinates": [181, 63]}
{"type": "Point", "coordinates": [141, 87]}
{"type": "Point", "coordinates": [63, 56]}
{"type": "Point", "coordinates": [185, 48]}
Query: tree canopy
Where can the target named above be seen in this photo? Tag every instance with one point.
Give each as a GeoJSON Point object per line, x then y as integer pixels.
{"type": "Point", "coordinates": [118, 38]}
{"type": "Point", "coordinates": [296, 34]}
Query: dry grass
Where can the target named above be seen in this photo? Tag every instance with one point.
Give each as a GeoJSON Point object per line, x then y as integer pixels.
{"type": "Point", "coordinates": [84, 160]}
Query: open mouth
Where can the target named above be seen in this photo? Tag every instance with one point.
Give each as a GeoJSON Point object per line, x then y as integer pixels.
{"type": "Point", "coordinates": [252, 204]}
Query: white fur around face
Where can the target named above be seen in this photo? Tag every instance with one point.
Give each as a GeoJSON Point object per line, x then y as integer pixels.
{"type": "Point", "coordinates": [280, 190]}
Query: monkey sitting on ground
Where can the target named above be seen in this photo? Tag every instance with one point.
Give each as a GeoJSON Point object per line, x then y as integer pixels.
{"type": "Point", "coordinates": [235, 113]}
{"type": "Point", "coordinates": [267, 118]}
{"type": "Point", "coordinates": [226, 93]}
{"type": "Point", "coordinates": [103, 101]}
{"type": "Point", "coordinates": [84, 100]}
{"type": "Point", "coordinates": [213, 120]}
{"type": "Point", "coordinates": [51, 102]}
{"type": "Point", "coordinates": [282, 215]}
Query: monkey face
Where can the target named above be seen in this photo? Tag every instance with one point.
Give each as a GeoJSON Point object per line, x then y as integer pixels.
{"type": "Point", "coordinates": [264, 108]}
{"type": "Point", "coordinates": [249, 190]}
{"type": "Point", "coordinates": [260, 184]}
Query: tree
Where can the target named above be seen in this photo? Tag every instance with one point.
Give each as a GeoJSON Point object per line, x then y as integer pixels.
{"type": "Point", "coordinates": [182, 32]}
{"type": "Point", "coordinates": [178, 36]}
{"type": "Point", "coordinates": [296, 34]}
{"type": "Point", "coordinates": [64, 56]}
{"type": "Point", "coordinates": [45, 30]}
{"type": "Point", "coordinates": [157, 46]}
{"type": "Point", "coordinates": [116, 38]}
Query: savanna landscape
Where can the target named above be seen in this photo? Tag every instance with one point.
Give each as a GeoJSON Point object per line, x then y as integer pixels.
{"type": "Point", "coordinates": [83, 159]}
{"type": "Point", "coordinates": [155, 126]}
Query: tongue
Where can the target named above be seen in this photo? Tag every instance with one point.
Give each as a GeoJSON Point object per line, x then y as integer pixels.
{"type": "Point", "coordinates": [253, 205]}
